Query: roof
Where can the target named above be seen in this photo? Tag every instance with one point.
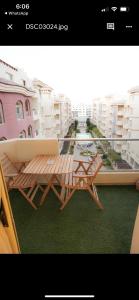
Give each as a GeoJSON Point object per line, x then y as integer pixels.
{"type": "Point", "coordinates": [42, 84]}
{"type": "Point", "coordinates": [4, 63]}
{"type": "Point", "coordinates": [134, 90]}
{"type": "Point", "coordinates": [12, 83]}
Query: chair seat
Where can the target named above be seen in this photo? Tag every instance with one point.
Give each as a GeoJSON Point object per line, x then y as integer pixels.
{"type": "Point", "coordinates": [70, 181]}
{"type": "Point", "coordinates": [83, 180]}
{"type": "Point", "coordinates": [22, 181]}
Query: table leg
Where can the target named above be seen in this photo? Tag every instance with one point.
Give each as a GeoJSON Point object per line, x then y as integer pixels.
{"type": "Point", "coordinates": [45, 193]}
{"type": "Point", "coordinates": [51, 186]}
{"type": "Point", "coordinates": [59, 195]}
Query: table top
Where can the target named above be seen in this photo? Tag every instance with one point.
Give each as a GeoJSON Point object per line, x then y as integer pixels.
{"type": "Point", "coordinates": [50, 164]}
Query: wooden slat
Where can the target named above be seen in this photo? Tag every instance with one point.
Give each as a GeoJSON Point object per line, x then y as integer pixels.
{"type": "Point", "coordinates": [37, 166]}
{"type": "Point", "coordinates": [62, 164]}
{"type": "Point", "coordinates": [7, 165]}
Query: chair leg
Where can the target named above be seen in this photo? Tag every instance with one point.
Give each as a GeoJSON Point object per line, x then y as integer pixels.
{"type": "Point", "coordinates": [41, 188]}
{"type": "Point", "coordinates": [95, 196]}
{"type": "Point", "coordinates": [67, 199]}
{"type": "Point", "coordinates": [56, 193]}
{"type": "Point", "coordinates": [45, 193]}
{"type": "Point", "coordinates": [27, 198]}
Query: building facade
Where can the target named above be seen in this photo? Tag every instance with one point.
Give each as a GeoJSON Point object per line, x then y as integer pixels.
{"type": "Point", "coordinates": [16, 119]}
{"type": "Point", "coordinates": [81, 111]}
{"type": "Point", "coordinates": [130, 150]}
{"type": "Point", "coordinates": [118, 117]}
{"type": "Point", "coordinates": [51, 113]}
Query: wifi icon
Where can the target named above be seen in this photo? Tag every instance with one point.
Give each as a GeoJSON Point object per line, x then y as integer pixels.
{"type": "Point", "coordinates": [114, 8]}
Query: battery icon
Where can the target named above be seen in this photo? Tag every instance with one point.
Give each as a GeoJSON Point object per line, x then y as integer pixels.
{"type": "Point", "coordinates": [124, 8]}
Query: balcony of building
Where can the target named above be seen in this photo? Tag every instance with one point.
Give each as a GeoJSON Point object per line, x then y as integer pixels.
{"type": "Point", "coordinates": [118, 143]}
{"type": "Point", "coordinates": [80, 227]}
{"type": "Point", "coordinates": [56, 111]}
{"type": "Point", "coordinates": [57, 129]}
{"type": "Point", "coordinates": [35, 115]}
{"type": "Point", "coordinates": [119, 123]}
{"type": "Point", "coordinates": [127, 114]}
{"type": "Point", "coordinates": [126, 125]}
{"type": "Point", "coordinates": [120, 113]}
{"type": "Point", "coordinates": [124, 146]}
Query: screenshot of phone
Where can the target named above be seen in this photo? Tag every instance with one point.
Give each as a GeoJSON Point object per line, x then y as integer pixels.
{"type": "Point", "coordinates": [69, 149]}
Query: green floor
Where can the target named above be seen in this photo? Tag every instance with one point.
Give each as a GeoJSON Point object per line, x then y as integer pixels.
{"type": "Point", "coordinates": [80, 227]}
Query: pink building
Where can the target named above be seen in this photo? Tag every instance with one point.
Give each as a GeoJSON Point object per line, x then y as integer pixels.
{"type": "Point", "coordinates": [16, 118]}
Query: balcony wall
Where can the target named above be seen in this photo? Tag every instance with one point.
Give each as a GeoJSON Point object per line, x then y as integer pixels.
{"type": "Point", "coordinates": [25, 149]}
{"type": "Point", "coordinates": [117, 178]}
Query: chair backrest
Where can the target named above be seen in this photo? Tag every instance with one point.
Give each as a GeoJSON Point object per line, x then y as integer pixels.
{"type": "Point", "coordinates": [83, 180]}
{"type": "Point", "coordinates": [7, 165]}
{"type": "Point", "coordinates": [95, 167]}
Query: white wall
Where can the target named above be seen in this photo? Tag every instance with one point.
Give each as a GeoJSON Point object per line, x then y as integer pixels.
{"type": "Point", "coordinates": [18, 76]}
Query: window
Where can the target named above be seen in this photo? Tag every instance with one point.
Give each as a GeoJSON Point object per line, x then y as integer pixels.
{"type": "Point", "coordinates": [27, 107]}
{"type": "Point", "coordinates": [30, 131]}
{"type": "Point", "coordinates": [1, 113]}
{"type": "Point", "coordinates": [19, 110]}
{"type": "Point", "coordinates": [10, 76]}
{"type": "Point", "coordinates": [3, 138]}
{"type": "Point", "coordinates": [36, 132]}
{"type": "Point", "coordinates": [22, 134]}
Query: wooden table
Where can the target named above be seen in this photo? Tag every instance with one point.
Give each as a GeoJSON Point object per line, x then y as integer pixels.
{"type": "Point", "coordinates": [52, 165]}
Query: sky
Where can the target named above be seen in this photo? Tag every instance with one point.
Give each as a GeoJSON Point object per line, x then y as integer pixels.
{"type": "Point", "coordinates": [80, 72]}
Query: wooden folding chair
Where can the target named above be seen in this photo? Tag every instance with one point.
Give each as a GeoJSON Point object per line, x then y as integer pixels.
{"type": "Point", "coordinates": [25, 183]}
{"type": "Point", "coordinates": [85, 166]}
{"type": "Point", "coordinates": [82, 181]}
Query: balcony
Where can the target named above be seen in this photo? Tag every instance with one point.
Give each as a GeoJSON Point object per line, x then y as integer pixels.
{"type": "Point", "coordinates": [126, 125]}
{"type": "Point", "coordinates": [120, 113]}
{"type": "Point", "coordinates": [119, 132]}
{"type": "Point", "coordinates": [74, 230]}
{"type": "Point", "coordinates": [119, 123]}
{"type": "Point", "coordinates": [56, 111]}
{"type": "Point", "coordinates": [35, 115]}
{"type": "Point", "coordinates": [124, 147]}
{"type": "Point", "coordinates": [127, 114]}
{"type": "Point", "coordinates": [118, 143]}
{"type": "Point", "coordinates": [57, 121]}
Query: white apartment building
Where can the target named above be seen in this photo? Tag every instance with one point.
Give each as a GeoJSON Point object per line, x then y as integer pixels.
{"type": "Point", "coordinates": [14, 74]}
{"type": "Point", "coordinates": [65, 114]}
{"type": "Point", "coordinates": [95, 111]}
{"type": "Point", "coordinates": [117, 122]}
{"type": "Point", "coordinates": [104, 115]}
{"type": "Point", "coordinates": [130, 150]}
{"type": "Point", "coordinates": [81, 111]}
{"type": "Point", "coordinates": [108, 116]}
{"type": "Point", "coordinates": [52, 113]}
{"type": "Point", "coordinates": [42, 106]}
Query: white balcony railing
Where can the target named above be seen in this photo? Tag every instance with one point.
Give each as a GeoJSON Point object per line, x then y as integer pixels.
{"type": "Point", "coordinates": [118, 142]}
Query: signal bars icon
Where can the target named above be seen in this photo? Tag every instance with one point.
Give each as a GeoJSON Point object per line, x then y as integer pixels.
{"type": "Point", "coordinates": [105, 9]}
